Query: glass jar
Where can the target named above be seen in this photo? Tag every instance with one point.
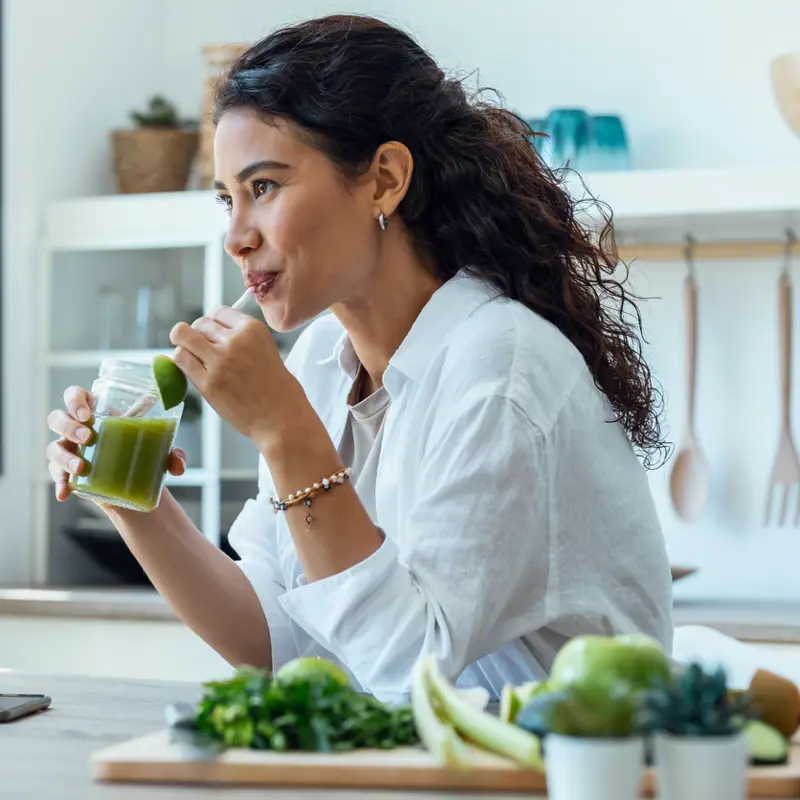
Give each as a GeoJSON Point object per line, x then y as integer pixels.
{"type": "Point", "coordinates": [126, 459]}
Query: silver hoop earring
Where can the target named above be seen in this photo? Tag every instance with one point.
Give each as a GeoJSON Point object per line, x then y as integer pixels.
{"type": "Point", "coordinates": [382, 221]}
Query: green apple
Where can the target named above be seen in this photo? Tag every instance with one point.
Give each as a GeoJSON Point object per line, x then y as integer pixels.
{"type": "Point", "coordinates": [631, 661]}
{"type": "Point", "coordinates": [305, 668]}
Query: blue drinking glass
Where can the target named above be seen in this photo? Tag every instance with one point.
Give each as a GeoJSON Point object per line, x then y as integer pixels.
{"type": "Point", "coordinates": [539, 126]}
{"type": "Point", "coordinates": [609, 147]}
{"type": "Point", "coordinates": [570, 132]}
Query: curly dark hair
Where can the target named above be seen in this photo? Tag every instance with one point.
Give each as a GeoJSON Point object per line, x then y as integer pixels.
{"type": "Point", "coordinates": [480, 199]}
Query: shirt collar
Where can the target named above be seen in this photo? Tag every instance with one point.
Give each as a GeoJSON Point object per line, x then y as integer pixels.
{"type": "Point", "coordinates": [449, 305]}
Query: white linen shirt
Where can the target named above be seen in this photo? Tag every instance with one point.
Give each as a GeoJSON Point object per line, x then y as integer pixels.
{"type": "Point", "coordinates": [515, 515]}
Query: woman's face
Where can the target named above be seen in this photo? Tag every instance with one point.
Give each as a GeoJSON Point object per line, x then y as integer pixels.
{"type": "Point", "coordinates": [303, 235]}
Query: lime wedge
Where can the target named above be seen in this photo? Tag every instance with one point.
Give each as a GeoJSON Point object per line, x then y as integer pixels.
{"type": "Point", "coordinates": [171, 382]}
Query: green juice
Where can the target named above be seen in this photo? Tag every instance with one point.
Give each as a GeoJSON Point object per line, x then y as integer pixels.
{"type": "Point", "coordinates": [126, 461]}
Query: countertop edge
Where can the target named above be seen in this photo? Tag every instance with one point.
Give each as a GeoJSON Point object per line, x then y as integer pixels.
{"type": "Point", "coordinates": [105, 604]}
{"type": "Point", "coordinates": [758, 622]}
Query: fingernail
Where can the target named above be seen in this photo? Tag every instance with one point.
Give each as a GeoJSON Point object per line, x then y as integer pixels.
{"type": "Point", "coordinates": [83, 415]}
{"type": "Point", "coordinates": [74, 464]}
{"type": "Point", "coordinates": [83, 434]}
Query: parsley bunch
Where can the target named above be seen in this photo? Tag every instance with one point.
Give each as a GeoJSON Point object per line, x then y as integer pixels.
{"type": "Point", "coordinates": [253, 709]}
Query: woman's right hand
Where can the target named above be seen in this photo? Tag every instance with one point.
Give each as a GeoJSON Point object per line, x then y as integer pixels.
{"type": "Point", "coordinates": [71, 424]}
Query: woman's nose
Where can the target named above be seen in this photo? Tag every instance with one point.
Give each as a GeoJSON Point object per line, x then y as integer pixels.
{"type": "Point", "coordinates": [241, 239]}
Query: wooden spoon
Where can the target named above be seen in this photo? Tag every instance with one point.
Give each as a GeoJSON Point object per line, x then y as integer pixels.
{"type": "Point", "coordinates": [689, 482]}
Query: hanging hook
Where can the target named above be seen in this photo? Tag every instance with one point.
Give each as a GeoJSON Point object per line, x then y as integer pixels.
{"type": "Point", "coordinates": [688, 254]}
{"type": "Point", "coordinates": [791, 239]}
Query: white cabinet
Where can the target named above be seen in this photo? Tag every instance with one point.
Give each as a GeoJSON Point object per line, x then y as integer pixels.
{"type": "Point", "coordinates": [116, 273]}
{"type": "Point", "coordinates": [146, 649]}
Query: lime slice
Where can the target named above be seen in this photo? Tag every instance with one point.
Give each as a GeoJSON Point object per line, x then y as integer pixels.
{"type": "Point", "coordinates": [171, 382]}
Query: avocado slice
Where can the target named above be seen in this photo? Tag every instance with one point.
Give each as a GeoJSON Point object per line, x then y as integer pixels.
{"type": "Point", "coordinates": [765, 744]}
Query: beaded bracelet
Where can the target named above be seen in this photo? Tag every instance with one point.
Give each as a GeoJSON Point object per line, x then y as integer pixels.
{"type": "Point", "coordinates": [307, 495]}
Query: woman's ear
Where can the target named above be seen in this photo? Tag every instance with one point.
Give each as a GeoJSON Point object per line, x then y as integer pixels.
{"type": "Point", "coordinates": [392, 166]}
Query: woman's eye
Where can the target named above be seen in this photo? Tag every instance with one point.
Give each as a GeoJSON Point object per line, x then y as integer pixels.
{"type": "Point", "coordinates": [225, 200]}
{"type": "Point", "coordinates": [264, 186]}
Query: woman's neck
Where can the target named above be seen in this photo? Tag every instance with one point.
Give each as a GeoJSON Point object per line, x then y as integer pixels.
{"type": "Point", "coordinates": [379, 319]}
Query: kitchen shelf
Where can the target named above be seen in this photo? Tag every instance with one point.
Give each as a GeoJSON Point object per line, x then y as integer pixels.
{"type": "Point", "coordinates": [192, 477]}
{"type": "Point", "coordinates": [125, 227]}
{"type": "Point", "coordinates": [128, 222]}
{"type": "Point", "coordinates": [244, 474]}
{"type": "Point", "coordinates": [662, 206]}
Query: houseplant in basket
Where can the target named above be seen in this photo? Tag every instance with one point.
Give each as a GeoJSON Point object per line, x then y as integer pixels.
{"type": "Point", "coordinates": [698, 727]}
{"type": "Point", "coordinates": [591, 741]}
{"type": "Point", "coordinates": [157, 155]}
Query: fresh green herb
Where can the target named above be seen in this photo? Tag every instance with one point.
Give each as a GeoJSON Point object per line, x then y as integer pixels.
{"type": "Point", "coordinates": [318, 713]}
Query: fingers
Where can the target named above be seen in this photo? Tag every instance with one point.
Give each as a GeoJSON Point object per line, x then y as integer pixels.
{"type": "Point", "coordinates": [227, 316]}
{"type": "Point", "coordinates": [192, 340]}
{"type": "Point", "coordinates": [79, 403]}
{"type": "Point", "coordinates": [64, 425]}
{"type": "Point", "coordinates": [177, 462]}
{"type": "Point", "coordinates": [61, 454]}
{"type": "Point", "coordinates": [61, 481]}
{"type": "Point", "coordinates": [192, 367]}
{"type": "Point", "coordinates": [210, 328]}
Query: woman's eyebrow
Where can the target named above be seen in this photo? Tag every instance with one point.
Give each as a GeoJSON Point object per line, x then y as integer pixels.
{"type": "Point", "coordinates": [252, 169]}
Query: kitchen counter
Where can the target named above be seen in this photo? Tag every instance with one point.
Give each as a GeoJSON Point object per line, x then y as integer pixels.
{"type": "Point", "coordinates": [86, 603]}
{"type": "Point", "coordinates": [748, 620]}
{"type": "Point", "coordinates": [46, 756]}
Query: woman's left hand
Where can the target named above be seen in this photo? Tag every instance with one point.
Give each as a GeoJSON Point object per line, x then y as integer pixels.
{"type": "Point", "coordinates": [235, 364]}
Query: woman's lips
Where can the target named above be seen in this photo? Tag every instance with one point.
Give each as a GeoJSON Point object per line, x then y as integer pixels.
{"type": "Point", "coordinates": [262, 283]}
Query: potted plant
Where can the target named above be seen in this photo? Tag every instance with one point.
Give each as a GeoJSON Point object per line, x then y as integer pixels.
{"type": "Point", "coordinates": [157, 155]}
{"type": "Point", "coordinates": [591, 741]}
{"type": "Point", "coordinates": [189, 439]}
{"type": "Point", "coordinates": [700, 747]}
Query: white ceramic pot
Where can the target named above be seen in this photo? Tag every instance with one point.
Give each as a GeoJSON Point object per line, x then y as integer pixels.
{"type": "Point", "coordinates": [701, 768]}
{"type": "Point", "coordinates": [600, 769]}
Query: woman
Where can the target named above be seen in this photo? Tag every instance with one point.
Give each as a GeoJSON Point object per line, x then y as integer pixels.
{"type": "Point", "coordinates": [476, 374]}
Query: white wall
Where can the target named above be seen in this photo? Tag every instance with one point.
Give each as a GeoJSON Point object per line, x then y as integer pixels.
{"type": "Point", "coordinates": [71, 72]}
{"type": "Point", "coordinates": [690, 78]}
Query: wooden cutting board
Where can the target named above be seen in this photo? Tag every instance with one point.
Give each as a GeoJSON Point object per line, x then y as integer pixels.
{"type": "Point", "coordinates": [160, 758]}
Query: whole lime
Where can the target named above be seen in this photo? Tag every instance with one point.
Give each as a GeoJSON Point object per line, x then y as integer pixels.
{"type": "Point", "coordinates": [308, 668]}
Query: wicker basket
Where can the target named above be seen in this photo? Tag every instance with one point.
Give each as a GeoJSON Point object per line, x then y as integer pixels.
{"type": "Point", "coordinates": [218, 58]}
{"type": "Point", "coordinates": [153, 159]}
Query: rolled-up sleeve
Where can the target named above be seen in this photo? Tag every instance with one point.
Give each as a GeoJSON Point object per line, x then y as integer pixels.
{"type": "Point", "coordinates": [467, 572]}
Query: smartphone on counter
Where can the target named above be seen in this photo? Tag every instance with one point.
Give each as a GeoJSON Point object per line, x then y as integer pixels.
{"type": "Point", "coordinates": [14, 706]}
